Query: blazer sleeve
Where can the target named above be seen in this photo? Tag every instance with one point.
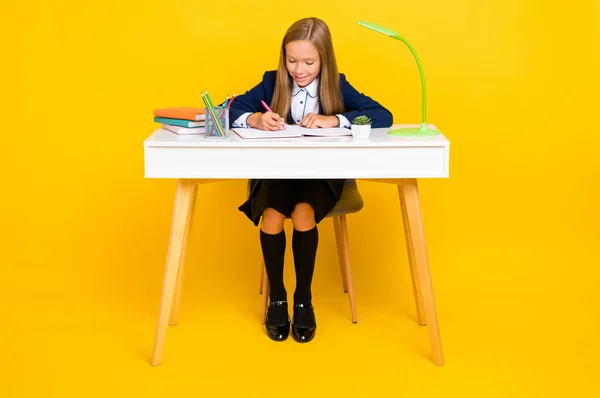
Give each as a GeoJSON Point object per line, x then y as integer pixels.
{"type": "Point", "coordinates": [250, 100]}
{"type": "Point", "coordinates": [357, 104]}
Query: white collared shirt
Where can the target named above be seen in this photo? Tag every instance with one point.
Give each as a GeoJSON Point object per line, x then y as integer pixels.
{"type": "Point", "coordinates": [305, 100]}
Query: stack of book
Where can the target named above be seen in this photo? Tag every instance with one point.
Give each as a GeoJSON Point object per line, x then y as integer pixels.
{"type": "Point", "coordinates": [181, 120]}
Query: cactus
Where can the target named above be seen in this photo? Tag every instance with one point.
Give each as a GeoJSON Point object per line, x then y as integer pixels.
{"type": "Point", "coordinates": [361, 120]}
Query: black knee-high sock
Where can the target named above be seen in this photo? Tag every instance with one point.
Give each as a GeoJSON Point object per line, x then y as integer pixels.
{"type": "Point", "coordinates": [273, 248]}
{"type": "Point", "coordinates": [304, 245]}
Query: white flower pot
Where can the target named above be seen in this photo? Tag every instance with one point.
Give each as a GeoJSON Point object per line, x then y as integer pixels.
{"type": "Point", "coordinates": [361, 131]}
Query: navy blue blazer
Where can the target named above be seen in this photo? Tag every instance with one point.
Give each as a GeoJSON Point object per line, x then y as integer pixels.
{"type": "Point", "coordinates": [355, 104]}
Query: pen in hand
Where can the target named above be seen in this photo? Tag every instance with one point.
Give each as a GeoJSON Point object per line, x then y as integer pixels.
{"type": "Point", "coordinates": [264, 104]}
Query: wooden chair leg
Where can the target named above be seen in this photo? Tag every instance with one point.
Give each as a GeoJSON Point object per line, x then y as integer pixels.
{"type": "Point", "coordinates": [262, 276]}
{"type": "Point", "coordinates": [340, 251]}
{"type": "Point", "coordinates": [265, 288]}
{"type": "Point", "coordinates": [179, 222]}
{"type": "Point", "coordinates": [409, 190]}
{"type": "Point", "coordinates": [411, 261]}
{"type": "Point", "coordinates": [173, 319]}
{"type": "Point", "coordinates": [347, 268]}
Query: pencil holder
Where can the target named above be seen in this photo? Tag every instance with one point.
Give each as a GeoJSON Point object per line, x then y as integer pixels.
{"type": "Point", "coordinates": [217, 122]}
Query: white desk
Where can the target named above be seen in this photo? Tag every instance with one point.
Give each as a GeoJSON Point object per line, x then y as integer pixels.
{"type": "Point", "coordinates": [193, 160]}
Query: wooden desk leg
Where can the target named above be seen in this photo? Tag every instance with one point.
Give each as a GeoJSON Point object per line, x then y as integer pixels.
{"type": "Point", "coordinates": [411, 261]}
{"type": "Point", "coordinates": [183, 196]}
{"type": "Point", "coordinates": [179, 285]}
{"type": "Point", "coordinates": [409, 191]}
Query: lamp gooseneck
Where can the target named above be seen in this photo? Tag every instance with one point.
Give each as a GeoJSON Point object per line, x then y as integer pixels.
{"type": "Point", "coordinates": [423, 91]}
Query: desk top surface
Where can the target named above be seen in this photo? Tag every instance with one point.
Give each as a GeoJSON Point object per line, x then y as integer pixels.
{"type": "Point", "coordinates": [378, 138]}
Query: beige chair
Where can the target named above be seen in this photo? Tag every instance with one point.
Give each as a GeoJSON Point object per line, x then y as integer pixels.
{"type": "Point", "coordinates": [350, 202]}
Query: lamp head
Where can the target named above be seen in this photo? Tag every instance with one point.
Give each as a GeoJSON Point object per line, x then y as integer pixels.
{"type": "Point", "coordinates": [378, 28]}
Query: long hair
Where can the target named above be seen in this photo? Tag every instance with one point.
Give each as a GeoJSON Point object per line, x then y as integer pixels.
{"type": "Point", "coordinates": [315, 31]}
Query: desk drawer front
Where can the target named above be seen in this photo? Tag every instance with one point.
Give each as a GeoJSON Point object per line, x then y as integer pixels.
{"type": "Point", "coordinates": [376, 162]}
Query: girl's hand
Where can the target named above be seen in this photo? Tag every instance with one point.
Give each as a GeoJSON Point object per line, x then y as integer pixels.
{"type": "Point", "coordinates": [269, 121]}
{"type": "Point", "coordinates": [312, 120]}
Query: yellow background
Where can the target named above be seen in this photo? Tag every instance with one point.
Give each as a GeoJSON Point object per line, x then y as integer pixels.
{"type": "Point", "coordinates": [512, 234]}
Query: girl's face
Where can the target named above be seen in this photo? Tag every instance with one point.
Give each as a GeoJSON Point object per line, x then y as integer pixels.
{"type": "Point", "coordinates": [302, 61]}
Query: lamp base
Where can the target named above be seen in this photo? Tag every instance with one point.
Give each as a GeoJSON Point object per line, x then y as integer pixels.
{"type": "Point", "coordinates": [422, 131]}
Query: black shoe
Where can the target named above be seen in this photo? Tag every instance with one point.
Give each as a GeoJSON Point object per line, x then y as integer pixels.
{"type": "Point", "coordinates": [304, 325]}
{"type": "Point", "coordinates": [278, 321]}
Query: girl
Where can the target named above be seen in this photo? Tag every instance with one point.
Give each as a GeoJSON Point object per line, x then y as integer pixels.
{"type": "Point", "coordinates": [307, 90]}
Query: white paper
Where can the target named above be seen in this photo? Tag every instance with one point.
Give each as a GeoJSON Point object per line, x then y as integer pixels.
{"type": "Point", "coordinates": [249, 133]}
{"type": "Point", "coordinates": [320, 132]}
{"type": "Point", "coordinates": [291, 131]}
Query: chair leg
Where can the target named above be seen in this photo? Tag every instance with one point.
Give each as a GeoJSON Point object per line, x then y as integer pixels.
{"type": "Point", "coordinates": [421, 320]}
{"type": "Point", "coordinates": [265, 289]}
{"type": "Point", "coordinates": [179, 222]}
{"type": "Point", "coordinates": [340, 251]}
{"type": "Point", "coordinates": [262, 276]}
{"type": "Point", "coordinates": [262, 270]}
{"type": "Point", "coordinates": [409, 190]}
{"type": "Point", "coordinates": [173, 320]}
{"type": "Point", "coordinates": [348, 269]}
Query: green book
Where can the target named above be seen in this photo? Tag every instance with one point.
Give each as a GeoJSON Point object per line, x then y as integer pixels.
{"type": "Point", "coordinates": [178, 122]}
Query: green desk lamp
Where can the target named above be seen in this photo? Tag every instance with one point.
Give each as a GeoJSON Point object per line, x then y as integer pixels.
{"type": "Point", "coordinates": [422, 131]}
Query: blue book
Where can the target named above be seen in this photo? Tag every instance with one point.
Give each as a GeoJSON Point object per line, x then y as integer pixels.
{"type": "Point", "coordinates": [179, 122]}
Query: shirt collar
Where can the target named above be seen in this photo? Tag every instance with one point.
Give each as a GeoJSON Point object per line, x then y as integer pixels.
{"type": "Point", "coordinates": [311, 89]}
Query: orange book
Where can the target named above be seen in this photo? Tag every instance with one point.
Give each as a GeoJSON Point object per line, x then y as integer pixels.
{"type": "Point", "coordinates": [182, 112]}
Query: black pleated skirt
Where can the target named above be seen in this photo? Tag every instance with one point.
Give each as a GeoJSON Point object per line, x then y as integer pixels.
{"type": "Point", "coordinates": [283, 195]}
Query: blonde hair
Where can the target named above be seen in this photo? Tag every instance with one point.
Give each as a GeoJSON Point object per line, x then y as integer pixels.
{"type": "Point", "coordinates": [316, 32]}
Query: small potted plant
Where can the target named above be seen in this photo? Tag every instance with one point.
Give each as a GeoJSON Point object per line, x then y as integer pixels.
{"type": "Point", "coordinates": [361, 127]}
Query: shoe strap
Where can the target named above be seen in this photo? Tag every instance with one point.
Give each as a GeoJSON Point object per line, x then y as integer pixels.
{"type": "Point", "coordinates": [303, 306]}
{"type": "Point", "coordinates": [274, 303]}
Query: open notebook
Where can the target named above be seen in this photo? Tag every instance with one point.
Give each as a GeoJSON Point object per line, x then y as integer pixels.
{"type": "Point", "coordinates": [290, 131]}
